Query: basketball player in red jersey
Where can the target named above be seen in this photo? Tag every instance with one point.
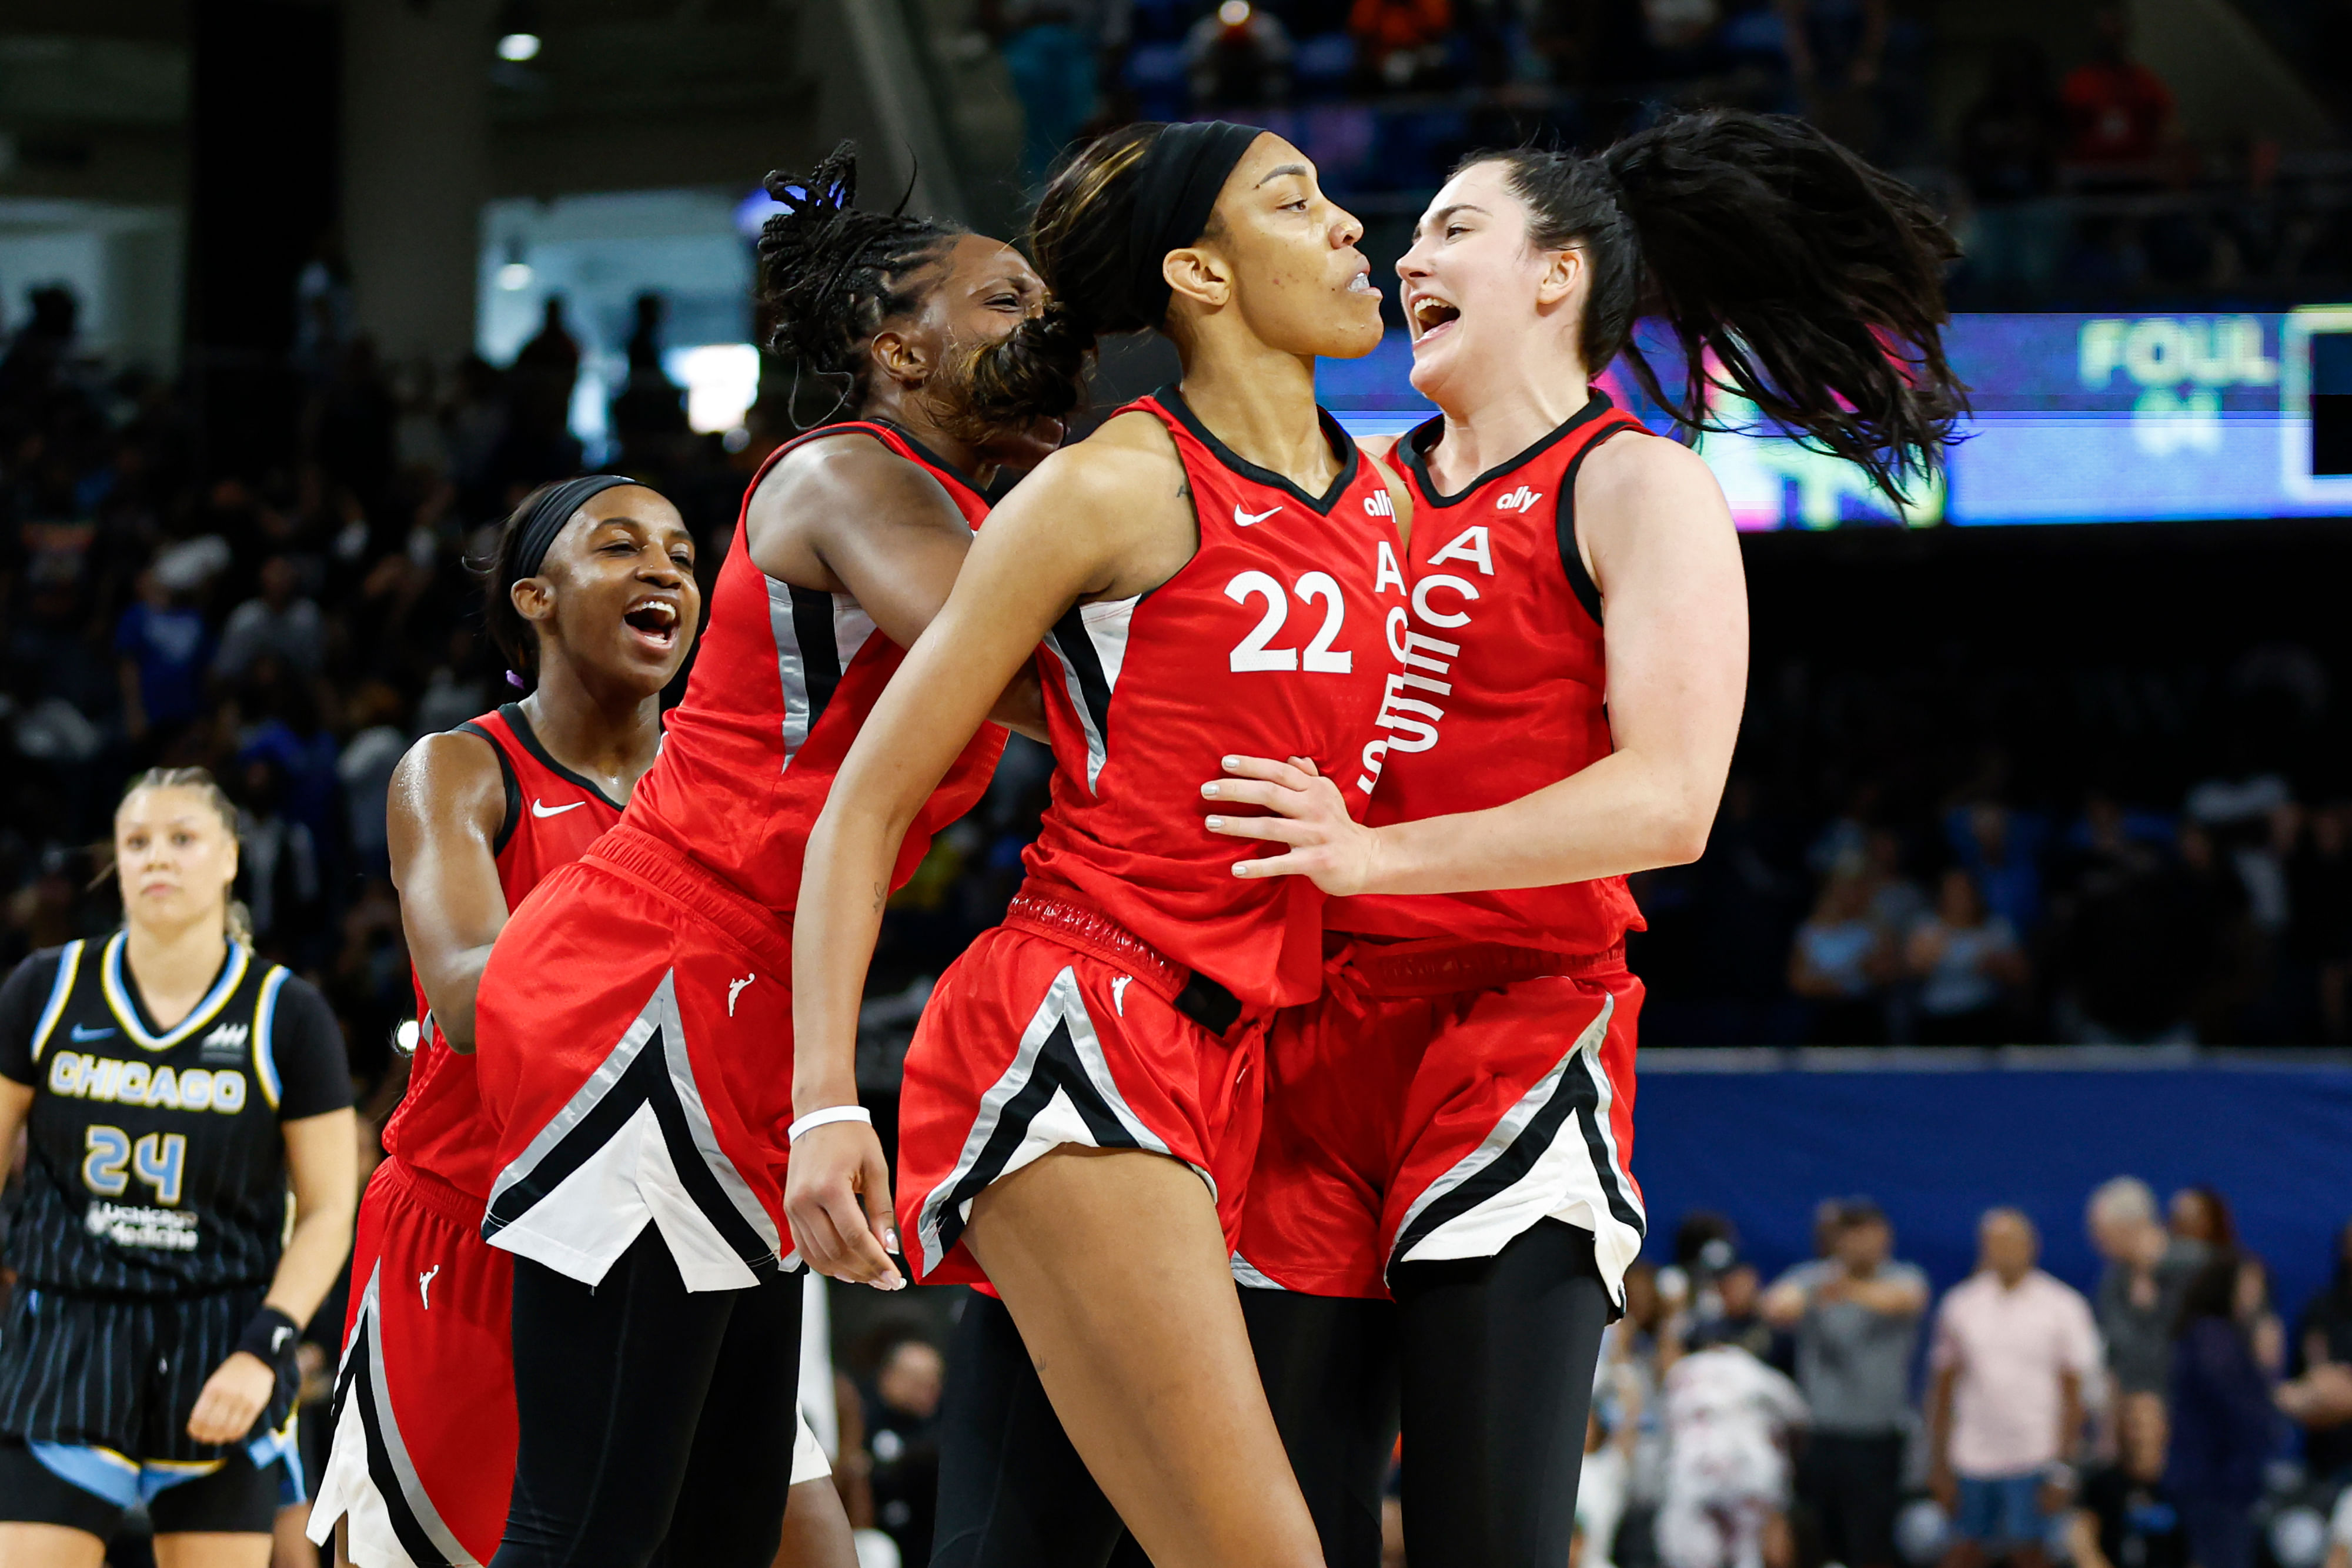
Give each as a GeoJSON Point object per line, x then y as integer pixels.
{"type": "Point", "coordinates": [634, 1016]}
{"type": "Point", "coordinates": [593, 593]}
{"type": "Point", "coordinates": [1082, 1090]}
{"type": "Point", "coordinates": [1453, 1124]}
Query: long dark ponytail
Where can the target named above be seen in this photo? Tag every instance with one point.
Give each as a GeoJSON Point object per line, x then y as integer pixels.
{"type": "Point", "coordinates": [1814, 279]}
{"type": "Point", "coordinates": [1080, 240]}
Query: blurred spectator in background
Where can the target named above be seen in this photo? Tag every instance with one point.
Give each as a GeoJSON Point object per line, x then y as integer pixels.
{"type": "Point", "coordinates": [1401, 43]}
{"type": "Point", "coordinates": [2138, 1302]}
{"type": "Point", "coordinates": [546, 368]}
{"type": "Point", "coordinates": [278, 623]}
{"type": "Point", "coordinates": [1728, 1420]}
{"type": "Point", "coordinates": [2126, 1518]}
{"type": "Point", "coordinates": [2202, 1227]}
{"type": "Point", "coordinates": [2118, 110]}
{"type": "Point", "coordinates": [648, 413]}
{"type": "Point", "coordinates": [2009, 144]}
{"type": "Point", "coordinates": [2013, 1349]}
{"type": "Point", "coordinates": [1841, 960]}
{"type": "Point", "coordinates": [2340, 1533]}
{"type": "Point", "coordinates": [162, 647]}
{"type": "Point", "coordinates": [364, 768]}
{"type": "Point", "coordinates": [1970, 967]}
{"type": "Point", "coordinates": [2001, 848]}
{"type": "Point", "coordinates": [1836, 50]}
{"type": "Point", "coordinates": [2223, 1426]}
{"type": "Point", "coordinates": [1856, 1314]}
{"type": "Point", "coordinates": [902, 1436]}
{"type": "Point", "coordinates": [1238, 56]}
{"type": "Point", "coordinates": [1732, 1313]}
{"type": "Point", "coordinates": [2320, 1360]}
{"type": "Point", "coordinates": [1050, 49]}
{"type": "Point", "coordinates": [2319, 897]}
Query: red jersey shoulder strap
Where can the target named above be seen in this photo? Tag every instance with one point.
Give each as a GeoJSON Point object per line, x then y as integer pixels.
{"type": "Point", "coordinates": [954, 480]}
{"type": "Point", "coordinates": [1617, 422]}
{"type": "Point", "coordinates": [1198, 447]}
{"type": "Point", "coordinates": [492, 727]}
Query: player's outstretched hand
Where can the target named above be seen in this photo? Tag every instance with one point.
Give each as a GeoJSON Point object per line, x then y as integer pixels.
{"type": "Point", "coordinates": [233, 1399]}
{"type": "Point", "coordinates": [1326, 844]}
{"type": "Point", "coordinates": [838, 1200]}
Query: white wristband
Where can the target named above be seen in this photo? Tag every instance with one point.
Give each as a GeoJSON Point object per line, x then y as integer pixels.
{"type": "Point", "coordinates": [820, 1118]}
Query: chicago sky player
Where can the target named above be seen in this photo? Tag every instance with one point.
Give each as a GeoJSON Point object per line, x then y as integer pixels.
{"type": "Point", "coordinates": [1082, 1089]}
{"type": "Point", "coordinates": [173, 1086]}
{"type": "Point", "coordinates": [1454, 1122]}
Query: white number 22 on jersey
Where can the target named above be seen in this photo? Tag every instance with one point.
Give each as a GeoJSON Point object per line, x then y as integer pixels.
{"type": "Point", "coordinates": [1253, 653]}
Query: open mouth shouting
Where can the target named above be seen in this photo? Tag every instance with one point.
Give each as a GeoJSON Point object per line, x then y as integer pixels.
{"type": "Point", "coordinates": [653, 620]}
{"type": "Point", "coordinates": [1430, 316]}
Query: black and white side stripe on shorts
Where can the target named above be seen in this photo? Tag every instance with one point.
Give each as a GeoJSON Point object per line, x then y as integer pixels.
{"type": "Point", "coordinates": [1551, 1155]}
{"type": "Point", "coordinates": [1058, 1090]}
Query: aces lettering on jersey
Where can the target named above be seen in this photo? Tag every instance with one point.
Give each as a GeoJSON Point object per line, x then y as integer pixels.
{"type": "Point", "coordinates": [1440, 599]}
{"type": "Point", "coordinates": [1273, 643]}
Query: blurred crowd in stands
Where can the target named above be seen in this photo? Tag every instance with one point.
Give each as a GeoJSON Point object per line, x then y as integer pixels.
{"type": "Point", "coordinates": [2224, 919]}
{"type": "Point", "coordinates": [2069, 179]}
{"type": "Point", "coordinates": [1843, 1412]}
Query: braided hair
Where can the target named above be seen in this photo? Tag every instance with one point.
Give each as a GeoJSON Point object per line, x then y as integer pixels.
{"type": "Point", "coordinates": [831, 275]}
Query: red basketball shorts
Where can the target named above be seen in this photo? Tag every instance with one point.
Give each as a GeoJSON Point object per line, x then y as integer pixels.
{"type": "Point", "coordinates": [1441, 1098]}
{"type": "Point", "coordinates": [1060, 1027]}
{"type": "Point", "coordinates": [635, 1035]}
{"type": "Point", "coordinates": [423, 1450]}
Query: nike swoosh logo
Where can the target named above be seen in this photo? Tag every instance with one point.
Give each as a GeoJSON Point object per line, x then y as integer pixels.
{"type": "Point", "coordinates": [1247, 519]}
{"type": "Point", "coordinates": [80, 1033]}
{"type": "Point", "coordinates": [541, 808]}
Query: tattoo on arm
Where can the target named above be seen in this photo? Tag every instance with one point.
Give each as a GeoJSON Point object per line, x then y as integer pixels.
{"type": "Point", "coordinates": [881, 896]}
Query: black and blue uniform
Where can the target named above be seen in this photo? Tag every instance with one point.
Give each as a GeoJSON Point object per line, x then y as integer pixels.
{"type": "Point", "coordinates": [155, 1209]}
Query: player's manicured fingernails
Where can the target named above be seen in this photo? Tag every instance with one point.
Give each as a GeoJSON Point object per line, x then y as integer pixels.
{"type": "Point", "coordinates": [1231, 762]}
{"type": "Point", "coordinates": [1209, 789]}
{"type": "Point", "coordinates": [890, 1240]}
{"type": "Point", "coordinates": [1214, 822]}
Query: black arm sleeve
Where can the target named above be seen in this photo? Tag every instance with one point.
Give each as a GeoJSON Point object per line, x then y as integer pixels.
{"type": "Point", "coordinates": [25, 992]}
{"type": "Point", "coordinates": [305, 1044]}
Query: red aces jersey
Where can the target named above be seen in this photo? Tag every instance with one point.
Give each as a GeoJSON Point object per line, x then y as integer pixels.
{"type": "Point", "coordinates": [552, 816]}
{"type": "Point", "coordinates": [784, 678]}
{"type": "Point", "coordinates": [1503, 689]}
{"type": "Point", "coordinates": [1266, 643]}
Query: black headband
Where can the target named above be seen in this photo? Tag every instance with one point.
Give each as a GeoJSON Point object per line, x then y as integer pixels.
{"type": "Point", "coordinates": [1175, 190]}
{"type": "Point", "coordinates": [551, 512]}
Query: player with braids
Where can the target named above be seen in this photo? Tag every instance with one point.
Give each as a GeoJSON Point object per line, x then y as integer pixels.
{"type": "Point", "coordinates": [1450, 1126]}
{"type": "Point", "coordinates": [634, 1019]}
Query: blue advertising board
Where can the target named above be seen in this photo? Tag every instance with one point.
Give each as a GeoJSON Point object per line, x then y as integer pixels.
{"type": "Point", "coordinates": [2075, 419]}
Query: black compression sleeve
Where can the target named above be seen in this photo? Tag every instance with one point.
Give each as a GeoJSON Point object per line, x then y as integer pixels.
{"type": "Point", "coordinates": [1329, 1366]}
{"type": "Point", "coordinates": [305, 1044]}
{"type": "Point", "coordinates": [22, 997]}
